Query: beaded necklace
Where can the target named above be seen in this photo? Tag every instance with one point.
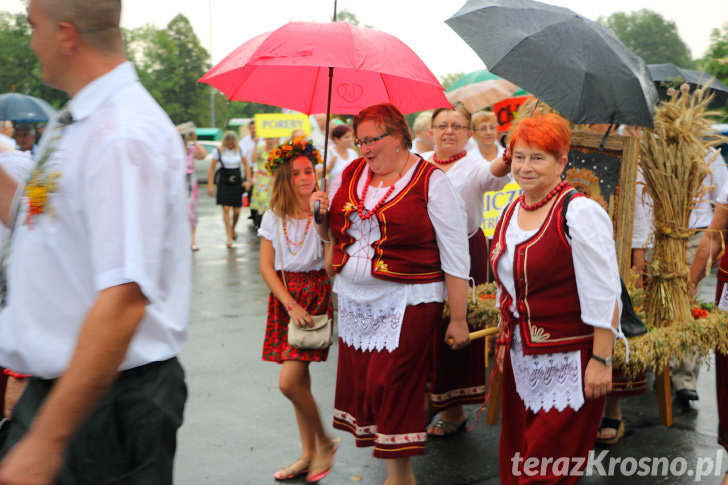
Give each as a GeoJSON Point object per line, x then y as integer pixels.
{"type": "Point", "coordinates": [297, 245]}
{"type": "Point", "coordinates": [542, 202]}
{"type": "Point", "coordinates": [449, 160]}
{"type": "Point", "coordinates": [360, 207]}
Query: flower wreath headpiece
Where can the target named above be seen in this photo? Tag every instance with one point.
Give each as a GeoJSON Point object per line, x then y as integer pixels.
{"type": "Point", "coordinates": [290, 150]}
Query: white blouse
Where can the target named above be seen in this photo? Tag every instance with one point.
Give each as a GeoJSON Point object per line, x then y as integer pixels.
{"type": "Point", "coordinates": [546, 381]}
{"type": "Point", "coordinates": [472, 178]}
{"type": "Point", "coordinates": [230, 158]}
{"type": "Point", "coordinates": [308, 257]}
{"type": "Point", "coordinates": [370, 309]}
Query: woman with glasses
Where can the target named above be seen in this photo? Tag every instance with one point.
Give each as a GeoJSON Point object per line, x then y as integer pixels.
{"type": "Point", "coordinates": [458, 375]}
{"type": "Point", "coordinates": [485, 128]}
{"type": "Point", "coordinates": [398, 231]}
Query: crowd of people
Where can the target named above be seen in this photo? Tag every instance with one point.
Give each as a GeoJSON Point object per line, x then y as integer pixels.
{"type": "Point", "coordinates": [105, 207]}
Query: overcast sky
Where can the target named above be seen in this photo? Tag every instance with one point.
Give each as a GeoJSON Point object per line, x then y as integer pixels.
{"type": "Point", "coordinates": [419, 24]}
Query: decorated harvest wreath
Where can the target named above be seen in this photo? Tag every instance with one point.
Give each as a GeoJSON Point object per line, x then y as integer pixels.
{"type": "Point", "coordinates": [290, 150]}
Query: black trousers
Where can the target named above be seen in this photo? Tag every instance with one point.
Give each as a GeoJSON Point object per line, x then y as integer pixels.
{"type": "Point", "coordinates": [131, 435]}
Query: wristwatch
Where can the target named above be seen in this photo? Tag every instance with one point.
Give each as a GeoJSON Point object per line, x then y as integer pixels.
{"type": "Point", "coordinates": [608, 361]}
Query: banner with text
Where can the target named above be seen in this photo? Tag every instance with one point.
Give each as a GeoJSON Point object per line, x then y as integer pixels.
{"type": "Point", "coordinates": [280, 125]}
{"type": "Point", "coordinates": [493, 204]}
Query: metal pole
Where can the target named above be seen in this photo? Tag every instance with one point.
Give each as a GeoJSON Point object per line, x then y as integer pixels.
{"type": "Point", "coordinates": [212, 90]}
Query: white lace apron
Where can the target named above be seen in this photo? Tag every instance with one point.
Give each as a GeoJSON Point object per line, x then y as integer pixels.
{"type": "Point", "coordinates": [546, 381]}
{"type": "Point", "coordinates": [370, 317]}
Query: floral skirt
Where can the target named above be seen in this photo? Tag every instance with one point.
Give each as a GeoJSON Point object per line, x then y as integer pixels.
{"type": "Point", "coordinates": [312, 290]}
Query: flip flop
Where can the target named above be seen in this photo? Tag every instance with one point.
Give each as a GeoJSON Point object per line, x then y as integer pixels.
{"type": "Point", "coordinates": [447, 428]}
{"type": "Point", "coordinates": [289, 471]}
{"type": "Point", "coordinates": [611, 423]}
{"type": "Point", "coordinates": [333, 447]}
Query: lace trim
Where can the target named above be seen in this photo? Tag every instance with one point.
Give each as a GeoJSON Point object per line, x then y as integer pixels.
{"type": "Point", "coordinates": [370, 318]}
{"type": "Point", "coordinates": [546, 381]}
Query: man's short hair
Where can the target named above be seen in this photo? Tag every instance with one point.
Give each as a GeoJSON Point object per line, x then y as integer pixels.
{"type": "Point", "coordinates": [98, 21]}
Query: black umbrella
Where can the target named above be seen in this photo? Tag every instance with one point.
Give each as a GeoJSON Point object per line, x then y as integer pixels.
{"type": "Point", "coordinates": [665, 75]}
{"type": "Point", "coordinates": [575, 65]}
{"type": "Point", "coordinates": [24, 108]}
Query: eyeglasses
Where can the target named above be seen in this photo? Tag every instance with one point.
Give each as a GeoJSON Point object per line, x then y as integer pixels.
{"type": "Point", "coordinates": [369, 141]}
{"type": "Point", "coordinates": [454, 127]}
{"type": "Point", "coordinates": [486, 128]}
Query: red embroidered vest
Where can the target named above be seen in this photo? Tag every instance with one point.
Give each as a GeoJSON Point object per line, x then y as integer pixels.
{"type": "Point", "coordinates": [407, 251]}
{"type": "Point", "coordinates": [546, 295]}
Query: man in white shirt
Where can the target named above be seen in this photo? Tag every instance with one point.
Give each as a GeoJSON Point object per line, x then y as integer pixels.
{"type": "Point", "coordinates": [99, 275]}
{"type": "Point", "coordinates": [249, 142]}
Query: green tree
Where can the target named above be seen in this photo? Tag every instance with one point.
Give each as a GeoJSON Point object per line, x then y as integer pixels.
{"type": "Point", "coordinates": [20, 67]}
{"type": "Point", "coordinates": [715, 61]}
{"type": "Point", "coordinates": [650, 36]}
{"type": "Point", "coordinates": [169, 63]}
{"type": "Point", "coordinates": [449, 79]}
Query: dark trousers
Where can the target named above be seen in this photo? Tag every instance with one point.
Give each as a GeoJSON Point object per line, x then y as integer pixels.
{"type": "Point", "coordinates": [130, 436]}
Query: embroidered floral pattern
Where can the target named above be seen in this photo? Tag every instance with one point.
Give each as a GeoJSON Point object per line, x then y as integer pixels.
{"type": "Point", "coordinates": [538, 334]}
{"type": "Point", "coordinates": [382, 266]}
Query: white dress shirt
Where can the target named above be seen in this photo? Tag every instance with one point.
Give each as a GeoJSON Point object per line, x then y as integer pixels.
{"type": "Point", "coordinates": [118, 215]}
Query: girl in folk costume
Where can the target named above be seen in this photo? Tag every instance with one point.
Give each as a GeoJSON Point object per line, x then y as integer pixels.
{"type": "Point", "coordinates": [288, 243]}
{"type": "Point", "coordinates": [559, 297]}
{"type": "Point", "coordinates": [399, 240]}
{"type": "Point", "coordinates": [458, 377]}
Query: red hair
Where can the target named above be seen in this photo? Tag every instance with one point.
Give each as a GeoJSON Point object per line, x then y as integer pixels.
{"type": "Point", "coordinates": [549, 132]}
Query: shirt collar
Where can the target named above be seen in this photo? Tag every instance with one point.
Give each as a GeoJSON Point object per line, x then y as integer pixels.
{"type": "Point", "coordinates": [95, 93]}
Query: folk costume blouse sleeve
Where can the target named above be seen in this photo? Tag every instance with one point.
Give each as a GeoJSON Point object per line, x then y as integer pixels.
{"type": "Point", "coordinates": [595, 261]}
{"type": "Point", "coordinates": [447, 213]}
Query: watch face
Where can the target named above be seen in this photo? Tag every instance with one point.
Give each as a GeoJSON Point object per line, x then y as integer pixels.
{"type": "Point", "coordinates": [608, 361]}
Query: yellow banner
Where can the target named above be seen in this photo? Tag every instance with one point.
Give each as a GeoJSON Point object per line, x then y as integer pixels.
{"type": "Point", "coordinates": [493, 204]}
{"type": "Point", "coordinates": [280, 125]}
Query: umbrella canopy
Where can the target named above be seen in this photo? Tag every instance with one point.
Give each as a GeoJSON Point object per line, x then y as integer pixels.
{"type": "Point", "coordinates": [668, 73]}
{"type": "Point", "coordinates": [289, 67]}
{"type": "Point", "coordinates": [24, 108]}
{"type": "Point", "coordinates": [472, 78]}
{"type": "Point", "coordinates": [575, 65]}
{"type": "Point", "coordinates": [482, 94]}
{"type": "Point", "coordinates": [480, 89]}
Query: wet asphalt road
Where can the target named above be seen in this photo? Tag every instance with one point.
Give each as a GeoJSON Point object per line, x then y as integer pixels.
{"type": "Point", "coordinates": [239, 429]}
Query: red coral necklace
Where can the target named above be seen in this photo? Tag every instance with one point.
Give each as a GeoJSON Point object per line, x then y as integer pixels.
{"type": "Point", "coordinates": [449, 160]}
{"type": "Point", "coordinates": [360, 207]}
{"type": "Point", "coordinates": [543, 201]}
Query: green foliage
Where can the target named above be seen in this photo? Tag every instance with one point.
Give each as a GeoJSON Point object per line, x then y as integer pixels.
{"type": "Point", "coordinates": [20, 67]}
{"type": "Point", "coordinates": [448, 79]}
{"type": "Point", "coordinates": [651, 37]}
{"type": "Point", "coordinates": [715, 61]}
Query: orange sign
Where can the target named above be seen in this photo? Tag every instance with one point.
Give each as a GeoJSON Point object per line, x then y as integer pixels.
{"type": "Point", "coordinates": [504, 111]}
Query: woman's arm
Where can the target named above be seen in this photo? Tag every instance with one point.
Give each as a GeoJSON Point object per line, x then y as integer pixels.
{"type": "Point", "coordinates": [457, 334]}
{"type": "Point", "coordinates": [322, 228]}
{"type": "Point", "coordinates": [298, 315]}
{"type": "Point", "coordinates": [211, 175]}
{"type": "Point", "coordinates": [711, 244]}
{"type": "Point", "coordinates": [598, 376]}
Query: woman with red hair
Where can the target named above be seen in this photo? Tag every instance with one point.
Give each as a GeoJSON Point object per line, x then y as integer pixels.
{"type": "Point", "coordinates": [554, 260]}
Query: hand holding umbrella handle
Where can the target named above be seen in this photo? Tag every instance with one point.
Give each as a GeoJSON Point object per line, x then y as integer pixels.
{"type": "Point", "coordinates": [317, 216]}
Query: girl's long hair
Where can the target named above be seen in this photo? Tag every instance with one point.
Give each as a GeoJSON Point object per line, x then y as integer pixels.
{"type": "Point", "coordinates": [284, 199]}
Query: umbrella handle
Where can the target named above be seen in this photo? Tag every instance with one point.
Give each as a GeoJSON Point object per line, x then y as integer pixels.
{"type": "Point", "coordinates": [317, 216]}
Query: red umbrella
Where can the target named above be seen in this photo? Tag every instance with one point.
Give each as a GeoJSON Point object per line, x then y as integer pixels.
{"type": "Point", "coordinates": [289, 67]}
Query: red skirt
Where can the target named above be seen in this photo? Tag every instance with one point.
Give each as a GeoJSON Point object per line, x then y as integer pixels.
{"type": "Point", "coordinates": [544, 435]}
{"type": "Point", "coordinates": [458, 376]}
{"type": "Point", "coordinates": [380, 394]}
{"type": "Point", "coordinates": [311, 290]}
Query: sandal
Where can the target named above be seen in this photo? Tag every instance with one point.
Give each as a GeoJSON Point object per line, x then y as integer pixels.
{"type": "Point", "coordinates": [321, 469]}
{"type": "Point", "coordinates": [447, 428]}
{"type": "Point", "coordinates": [291, 471]}
{"type": "Point", "coordinates": [611, 423]}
